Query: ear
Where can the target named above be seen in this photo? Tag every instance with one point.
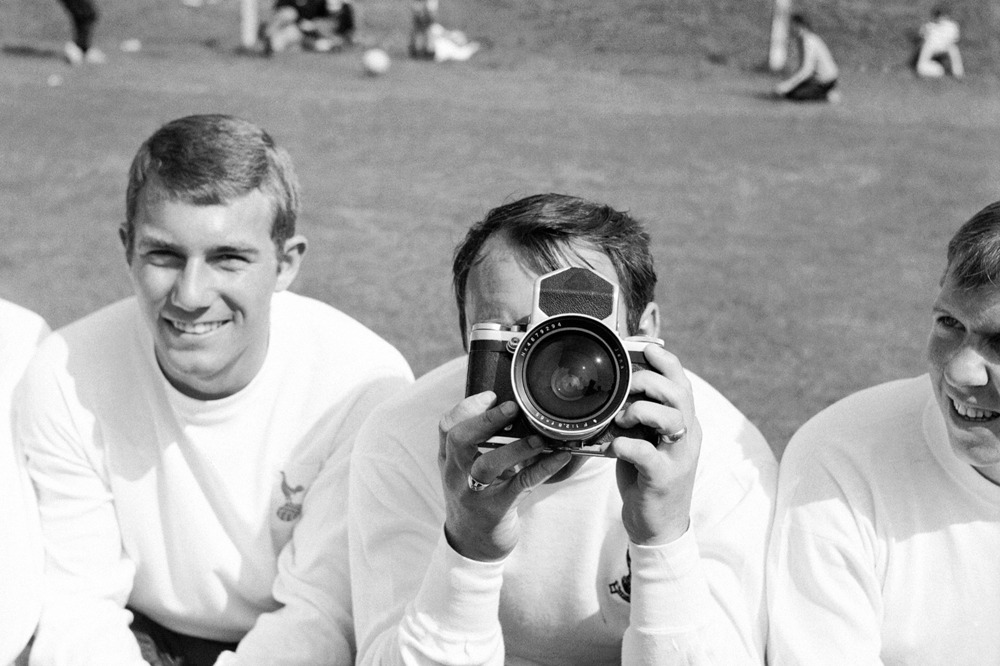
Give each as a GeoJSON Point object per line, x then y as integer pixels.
{"type": "Point", "coordinates": [289, 261]}
{"type": "Point", "coordinates": [649, 322]}
{"type": "Point", "coordinates": [123, 237]}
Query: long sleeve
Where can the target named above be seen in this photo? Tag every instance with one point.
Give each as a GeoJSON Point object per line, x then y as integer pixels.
{"type": "Point", "coordinates": [699, 599]}
{"type": "Point", "coordinates": [824, 596]}
{"type": "Point", "coordinates": [313, 583]}
{"type": "Point", "coordinates": [88, 576]}
{"type": "Point", "coordinates": [416, 601]}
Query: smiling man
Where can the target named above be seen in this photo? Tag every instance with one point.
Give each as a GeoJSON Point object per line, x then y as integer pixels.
{"type": "Point", "coordinates": [887, 526]}
{"type": "Point", "coordinates": [189, 446]}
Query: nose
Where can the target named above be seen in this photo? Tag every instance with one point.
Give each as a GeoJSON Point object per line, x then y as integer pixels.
{"type": "Point", "coordinates": [967, 367]}
{"type": "Point", "coordinates": [194, 288]}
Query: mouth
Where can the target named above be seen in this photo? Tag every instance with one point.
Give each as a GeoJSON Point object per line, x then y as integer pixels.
{"type": "Point", "coordinates": [972, 414]}
{"type": "Point", "coordinates": [194, 328]}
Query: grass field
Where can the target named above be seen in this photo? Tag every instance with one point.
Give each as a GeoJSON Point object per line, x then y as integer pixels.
{"type": "Point", "coordinates": [798, 247]}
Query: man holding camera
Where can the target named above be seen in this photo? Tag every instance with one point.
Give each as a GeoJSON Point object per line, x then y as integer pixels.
{"type": "Point", "coordinates": [190, 445]}
{"type": "Point", "coordinates": [533, 555]}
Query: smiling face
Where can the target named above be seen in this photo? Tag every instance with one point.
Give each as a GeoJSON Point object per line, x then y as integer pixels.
{"type": "Point", "coordinates": [204, 276]}
{"type": "Point", "coordinates": [501, 290]}
{"type": "Point", "coordinates": [964, 355]}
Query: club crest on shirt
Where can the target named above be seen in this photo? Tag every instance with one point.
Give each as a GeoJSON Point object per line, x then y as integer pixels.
{"type": "Point", "coordinates": [291, 509]}
{"type": "Point", "coordinates": [623, 586]}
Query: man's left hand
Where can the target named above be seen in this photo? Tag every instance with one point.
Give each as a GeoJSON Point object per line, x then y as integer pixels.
{"type": "Point", "coordinates": [656, 480]}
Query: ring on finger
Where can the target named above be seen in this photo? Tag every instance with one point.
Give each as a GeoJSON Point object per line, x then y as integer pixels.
{"type": "Point", "coordinates": [475, 485]}
{"type": "Point", "coordinates": [675, 436]}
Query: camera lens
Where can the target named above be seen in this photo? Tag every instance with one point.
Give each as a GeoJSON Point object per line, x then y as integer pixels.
{"type": "Point", "coordinates": [571, 375]}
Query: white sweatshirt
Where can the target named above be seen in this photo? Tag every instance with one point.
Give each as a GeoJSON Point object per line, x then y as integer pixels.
{"type": "Point", "coordinates": [20, 541]}
{"type": "Point", "coordinates": [885, 545]}
{"type": "Point", "coordinates": [566, 594]}
{"type": "Point", "coordinates": [222, 519]}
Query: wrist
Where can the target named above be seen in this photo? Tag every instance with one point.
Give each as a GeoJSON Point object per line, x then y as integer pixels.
{"type": "Point", "coordinates": [480, 548]}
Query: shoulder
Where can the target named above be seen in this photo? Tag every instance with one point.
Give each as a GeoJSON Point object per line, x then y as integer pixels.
{"type": "Point", "coordinates": [725, 428]}
{"type": "Point", "coordinates": [20, 333]}
{"type": "Point", "coordinates": [847, 445]}
{"type": "Point", "coordinates": [416, 409]}
{"type": "Point", "coordinates": [314, 329]}
{"type": "Point", "coordinates": [99, 336]}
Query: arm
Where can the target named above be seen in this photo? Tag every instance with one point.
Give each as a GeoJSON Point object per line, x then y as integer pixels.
{"type": "Point", "coordinates": [313, 582]}
{"type": "Point", "coordinates": [418, 598]}
{"type": "Point", "coordinates": [806, 69]}
{"type": "Point", "coordinates": [697, 599]}
{"type": "Point", "coordinates": [823, 591]}
{"type": "Point", "coordinates": [88, 577]}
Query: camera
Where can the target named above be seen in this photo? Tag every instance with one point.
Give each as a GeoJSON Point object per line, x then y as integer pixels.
{"type": "Point", "coordinates": [568, 369]}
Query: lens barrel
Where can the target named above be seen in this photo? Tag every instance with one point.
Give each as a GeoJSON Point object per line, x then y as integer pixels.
{"type": "Point", "coordinates": [570, 375]}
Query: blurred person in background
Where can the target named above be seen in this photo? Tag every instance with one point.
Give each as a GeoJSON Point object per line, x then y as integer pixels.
{"type": "Point", "coordinates": [84, 16]}
{"type": "Point", "coordinates": [816, 77]}
{"type": "Point", "coordinates": [939, 54]}
{"type": "Point", "coordinates": [21, 554]}
{"type": "Point", "coordinates": [315, 25]}
{"type": "Point", "coordinates": [523, 556]}
{"type": "Point", "coordinates": [887, 523]}
{"type": "Point", "coordinates": [189, 445]}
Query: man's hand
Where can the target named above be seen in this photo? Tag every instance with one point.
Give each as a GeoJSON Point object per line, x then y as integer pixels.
{"type": "Point", "coordinates": [656, 481]}
{"type": "Point", "coordinates": [483, 525]}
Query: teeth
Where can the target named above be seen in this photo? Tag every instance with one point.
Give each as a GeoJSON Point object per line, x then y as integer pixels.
{"type": "Point", "coordinates": [972, 413]}
{"type": "Point", "coordinates": [195, 328]}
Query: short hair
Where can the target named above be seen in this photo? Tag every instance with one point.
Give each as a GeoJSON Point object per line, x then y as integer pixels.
{"type": "Point", "coordinates": [540, 228]}
{"type": "Point", "coordinates": [209, 160]}
{"type": "Point", "coordinates": [974, 251]}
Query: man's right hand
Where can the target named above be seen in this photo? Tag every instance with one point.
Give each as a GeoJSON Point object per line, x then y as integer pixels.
{"type": "Point", "coordinates": [483, 525]}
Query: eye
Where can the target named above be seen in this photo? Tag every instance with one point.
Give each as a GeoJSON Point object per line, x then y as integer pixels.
{"type": "Point", "coordinates": [231, 261]}
{"type": "Point", "coordinates": [948, 322]}
{"type": "Point", "coordinates": [161, 257]}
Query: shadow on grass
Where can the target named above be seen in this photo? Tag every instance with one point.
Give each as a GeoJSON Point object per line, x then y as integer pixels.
{"type": "Point", "coordinates": [31, 51]}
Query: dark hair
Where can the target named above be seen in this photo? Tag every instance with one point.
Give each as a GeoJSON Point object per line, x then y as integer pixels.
{"type": "Point", "coordinates": [974, 251]}
{"type": "Point", "coordinates": [210, 160]}
{"type": "Point", "coordinates": [541, 228]}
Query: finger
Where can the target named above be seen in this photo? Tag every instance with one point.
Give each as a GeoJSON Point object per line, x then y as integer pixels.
{"type": "Point", "coordinates": [666, 363]}
{"type": "Point", "coordinates": [538, 473]}
{"type": "Point", "coordinates": [638, 452]}
{"type": "Point", "coordinates": [664, 419]}
{"type": "Point", "coordinates": [469, 407]}
{"type": "Point", "coordinates": [489, 466]}
{"type": "Point", "coordinates": [463, 440]}
{"type": "Point", "coordinates": [659, 388]}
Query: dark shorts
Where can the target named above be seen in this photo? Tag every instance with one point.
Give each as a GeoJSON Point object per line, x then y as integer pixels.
{"type": "Point", "coordinates": [811, 90]}
{"type": "Point", "coordinates": [162, 647]}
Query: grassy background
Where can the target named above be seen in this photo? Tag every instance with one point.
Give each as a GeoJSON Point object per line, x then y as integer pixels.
{"type": "Point", "coordinates": [798, 247]}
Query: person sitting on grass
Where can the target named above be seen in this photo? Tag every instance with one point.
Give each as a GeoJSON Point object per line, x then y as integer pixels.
{"type": "Point", "coordinates": [939, 54]}
{"type": "Point", "coordinates": [816, 77]}
{"type": "Point", "coordinates": [524, 556]}
{"type": "Point", "coordinates": [21, 554]}
{"type": "Point", "coordinates": [887, 523]}
{"type": "Point", "coordinates": [189, 445]}
{"type": "Point", "coordinates": [314, 25]}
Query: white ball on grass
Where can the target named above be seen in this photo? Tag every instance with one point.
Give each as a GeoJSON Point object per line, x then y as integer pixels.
{"type": "Point", "coordinates": [375, 61]}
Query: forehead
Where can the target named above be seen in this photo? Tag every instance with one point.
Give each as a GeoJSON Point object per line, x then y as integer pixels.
{"type": "Point", "coordinates": [500, 285]}
{"type": "Point", "coordinates": [244, 220]}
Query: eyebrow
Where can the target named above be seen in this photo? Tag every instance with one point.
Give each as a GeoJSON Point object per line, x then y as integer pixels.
{"type": "Point", "coordinates": [148, 243]}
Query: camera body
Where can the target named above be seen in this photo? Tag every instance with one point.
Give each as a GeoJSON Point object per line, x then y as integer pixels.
{"type": "Point", "coordinates": [568, 369]}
